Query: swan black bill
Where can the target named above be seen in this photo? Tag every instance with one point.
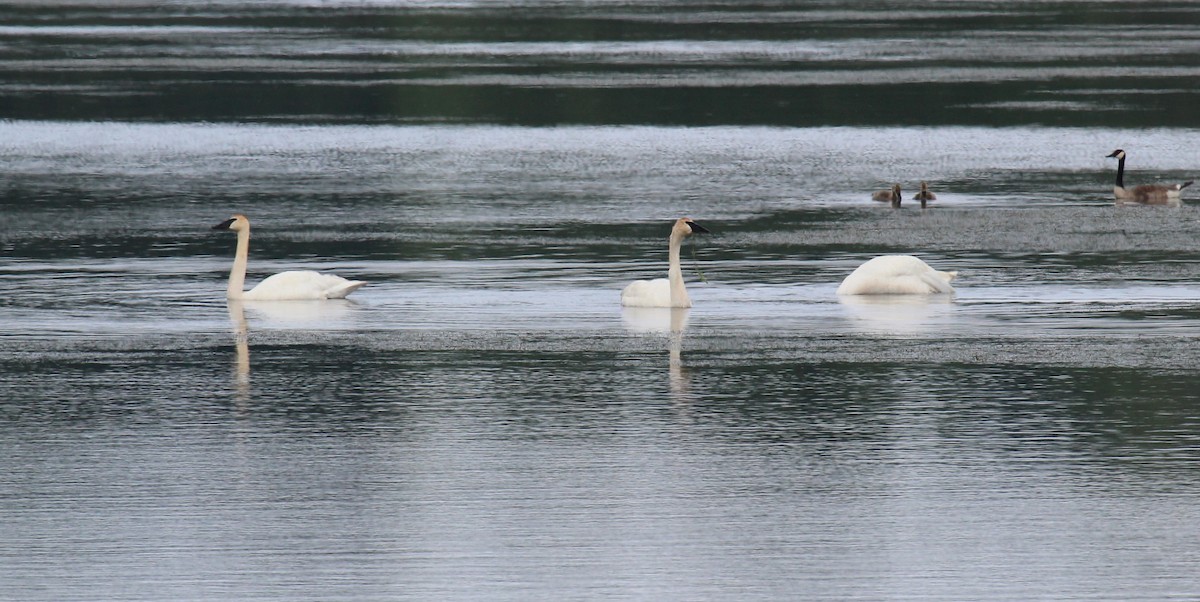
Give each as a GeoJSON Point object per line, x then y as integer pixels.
{"type": "Point", "coordinates": [225, 224]}
{"type": "Point", "coordinates": [698, 228]}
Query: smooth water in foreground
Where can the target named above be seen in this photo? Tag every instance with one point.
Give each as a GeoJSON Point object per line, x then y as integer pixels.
{"type": "Point", "coordinates": [483, 421]}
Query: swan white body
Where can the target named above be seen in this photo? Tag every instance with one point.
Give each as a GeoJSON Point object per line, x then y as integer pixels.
{"type": "Point", "coordinates": [669, 291]}
{"type": "Point", "coordinates": [896, 275]}
{"type": "Point", "coordinates": [1147, 194]}
{"type": "Point", "coordinates": [284, 286]}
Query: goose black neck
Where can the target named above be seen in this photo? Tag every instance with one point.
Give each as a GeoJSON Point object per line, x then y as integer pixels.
{"type": "Point", "coordinates": [1121, 172]}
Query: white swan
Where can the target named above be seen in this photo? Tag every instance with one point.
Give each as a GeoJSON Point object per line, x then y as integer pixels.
{"type": "Point", "coordinates": [896, 275]}
{"type": "Point", "coordinates": [669, 291]}
{"type": "Point", "coordinates": [284, 285]}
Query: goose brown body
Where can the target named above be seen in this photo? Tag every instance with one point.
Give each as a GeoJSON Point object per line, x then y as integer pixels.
{"type": "Point", "coordinates": [1146, 194]}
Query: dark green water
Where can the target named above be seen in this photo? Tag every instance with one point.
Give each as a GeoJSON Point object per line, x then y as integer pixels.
{"type": "Point", "coordinates": [543, 63]}
{"type": "Point", "coordinates": [483, 420]}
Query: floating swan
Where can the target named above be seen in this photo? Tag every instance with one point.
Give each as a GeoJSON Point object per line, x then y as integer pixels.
{"type": "Point", "coordinates": [669, 291]}
{"type": "Point", "coordinates": [924, 195]}
{"type": "Point", "coordinates": [888, 196]}
{"type": "Point", "coordinates": [284, 285]}
{"type": "Point", "coordinates": [1148, 194]}
{"type": "Point", "coordinates": [896, 275]}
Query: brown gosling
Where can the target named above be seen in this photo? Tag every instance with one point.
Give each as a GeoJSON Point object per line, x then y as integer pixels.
{"type": "Point", "coordinates": [924, 195]}
{"type": "Point", "coordinates": [888, 196]}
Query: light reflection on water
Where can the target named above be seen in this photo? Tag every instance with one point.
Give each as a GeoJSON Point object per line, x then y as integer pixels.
{"type": "Point", "coordinates": [484, 419]}
{"type": "Point", "coordinates": [602, 62]}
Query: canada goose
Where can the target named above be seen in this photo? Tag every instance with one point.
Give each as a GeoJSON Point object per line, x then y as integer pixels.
{"type": "Point", "coordinates": [888, 196]}
{"type": "Point", "coordinates": [924, 195]}
{"type": "Point", "coordinates": [284, 285]}
{"type": "Point", "coordinates": [669, 291]}
{"type": "Point", "coordinates": [896, 275]}
{"type": "Point", "coordinates": [1147, 194]}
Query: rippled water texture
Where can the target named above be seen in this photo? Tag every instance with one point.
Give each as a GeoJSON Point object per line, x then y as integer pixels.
{"type": "Point", "coordinates": [483, 420]}
{"type": "Point", "coordinates": [552, 62]}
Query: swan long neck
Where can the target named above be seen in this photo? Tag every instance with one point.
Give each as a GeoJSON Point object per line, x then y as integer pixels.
{"type": "Point", "coordinates": [1121, 172]}
{"type": "Point", "coordinates": [679, 296]}
{"type": "Point", "coordinates": [237, 276]}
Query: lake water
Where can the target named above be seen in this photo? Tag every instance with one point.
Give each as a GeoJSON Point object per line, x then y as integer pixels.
{"type": "Point", "coordinates": [483, 420]}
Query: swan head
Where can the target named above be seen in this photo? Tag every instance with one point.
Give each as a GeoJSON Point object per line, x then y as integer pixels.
{"type": "Point", "coordinates": [1117, 154]}
{"type": "Point", "coordinates": [684, 226]}
{"type": "Point", "coordinates": [237, 223]}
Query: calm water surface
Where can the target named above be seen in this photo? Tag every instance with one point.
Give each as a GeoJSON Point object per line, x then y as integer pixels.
{"type": "Point", "coordinates": [483, 421]}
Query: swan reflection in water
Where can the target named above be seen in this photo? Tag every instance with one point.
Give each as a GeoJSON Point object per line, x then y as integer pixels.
{"type": "Point", "coordinates": [897, 314]}
{"type": "Point", "coordinates": [277, 314]}
{"type": "Point", "coordinates": [241, 342]}
{"type": "Point", "coordinates": [671, 321]}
